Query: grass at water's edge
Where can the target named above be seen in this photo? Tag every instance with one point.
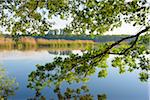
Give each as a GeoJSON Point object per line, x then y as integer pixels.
{"type": "Point", "coordinates": [29, 43]}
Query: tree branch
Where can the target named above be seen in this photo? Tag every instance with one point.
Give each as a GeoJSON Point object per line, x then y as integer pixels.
{"type": "Point", "coordinates": [118, 42]}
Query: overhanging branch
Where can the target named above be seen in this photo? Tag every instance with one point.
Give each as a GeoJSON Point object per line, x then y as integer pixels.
{"type": "Point", "coordinates": [107, 51]}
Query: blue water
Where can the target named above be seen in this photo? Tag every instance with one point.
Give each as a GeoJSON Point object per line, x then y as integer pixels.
{"type": "Point", "coordinates": [19, 65]}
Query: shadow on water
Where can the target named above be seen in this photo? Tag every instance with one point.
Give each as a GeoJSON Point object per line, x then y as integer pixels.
{"type": "Point", "coordinates": [8, 85]}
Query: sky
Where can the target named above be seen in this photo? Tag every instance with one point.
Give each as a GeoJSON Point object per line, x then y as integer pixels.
{"type": "Point", "coordinates": [124, 29]}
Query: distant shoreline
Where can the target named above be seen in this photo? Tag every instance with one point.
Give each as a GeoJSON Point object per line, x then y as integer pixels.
{"type": "Point", "coordinates": [98, 38]}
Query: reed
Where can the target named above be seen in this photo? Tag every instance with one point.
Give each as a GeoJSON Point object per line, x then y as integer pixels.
{"type": "Point", "coordinates": [6, 43]}
{"type": "Point", "coordinates": [29, 43]}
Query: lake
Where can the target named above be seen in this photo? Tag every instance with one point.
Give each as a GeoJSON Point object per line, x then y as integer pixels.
{"type": "Point", "coordinates": [19, 64]}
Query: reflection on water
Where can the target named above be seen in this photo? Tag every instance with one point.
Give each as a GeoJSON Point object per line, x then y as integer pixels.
{"type": "Point", "coordinates": [60, 52]}
{"type": "Point", "coordinates": [56, 83]}
{"type": "Point", "coordinates": [66, 52]}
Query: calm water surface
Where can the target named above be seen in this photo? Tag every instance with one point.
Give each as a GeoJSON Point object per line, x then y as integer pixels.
{"type": "Point", "coordinates": [19, 64]}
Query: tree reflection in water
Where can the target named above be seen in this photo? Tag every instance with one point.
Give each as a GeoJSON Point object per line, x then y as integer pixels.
{"type": "Point", "coordinates": [8, 85]}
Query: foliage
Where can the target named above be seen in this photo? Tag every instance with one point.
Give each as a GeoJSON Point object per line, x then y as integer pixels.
{"type": "Point", "coordinates": [88, 15]}
{"type": "Point", "coordinates": [31, 16]}
{"type": "Point", "coordinates": [7, 85]}
{"type": "Point", "coordinates": [135, 58]}
{"type": "Point", "coordinates": [93, 15]}
{"type": "Point", "coordinates": [78, 68]}
{"type": "Point", "coordinates": [59, 71]}
{"type": "Point", "coordinates": [20, 15]}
